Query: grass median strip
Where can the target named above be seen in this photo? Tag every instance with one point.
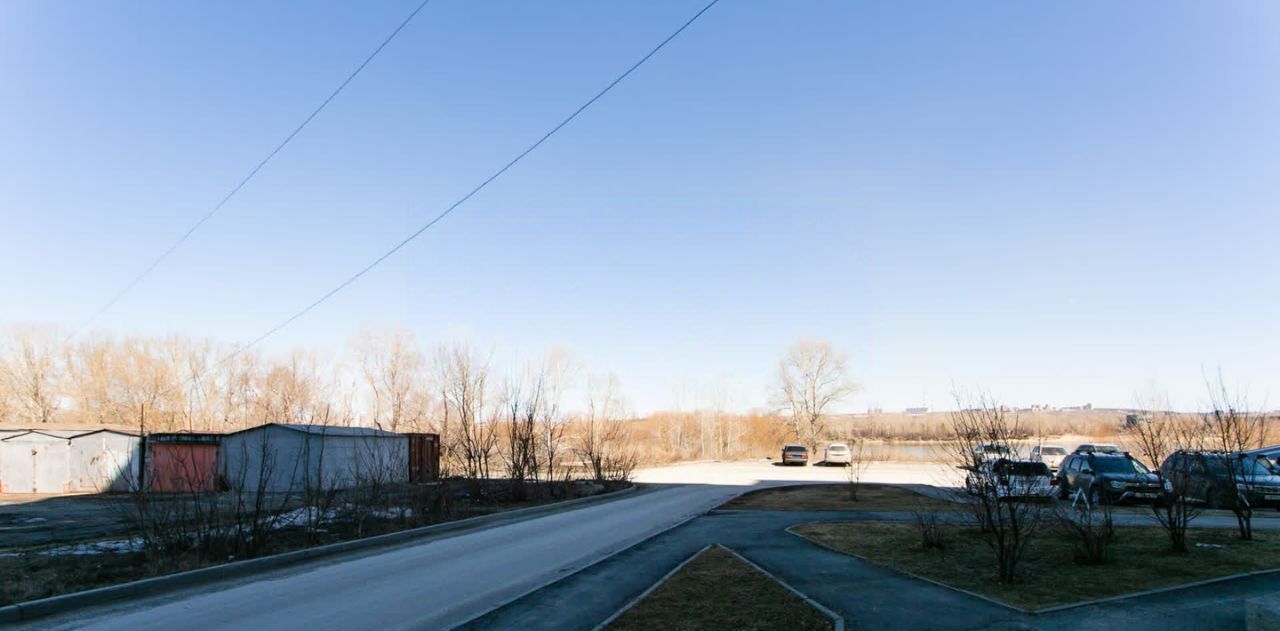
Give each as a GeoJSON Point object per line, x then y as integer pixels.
{"type": "Point", "coordinates": [835, 497]}
{"type": "Point", "coordinates": [1140, 560]}
{"type": "Point", "coordinates": [716, 590]}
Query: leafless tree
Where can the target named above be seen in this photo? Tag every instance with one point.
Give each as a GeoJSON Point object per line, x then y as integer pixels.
{"type": "Point", "coordinates": [1008, 526]}
{"type": "Point", "coordinates": [603, 436]}
{"type": "Point", "coordinates": [462, 379]}
{"type": "Point", "coordinates": [859, 461]}
{"type": "Point", "coordinates": [1233, 429]}
{"type": "Point", "coordinates": [30, 373]}
{"type": "Point", "coordinates": [557, 372]}
{"type": "Point", "coordinates": [393, 371]}
{"type": "Point", "coordinates": [1090, 525]}
{"type": "Point", "coordinates": [1158, 433]}
{"type": "Point", "coordinates": [811, 377]}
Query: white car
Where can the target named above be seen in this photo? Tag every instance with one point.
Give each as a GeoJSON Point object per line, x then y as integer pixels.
{"type": "Point", "coordinates": [837, 453]}
{"type": "Point", "coordinates": [1051, 455]}
{"type": "Point", "coordinates": [988, 452]}
{"type": "Point", "coordinates": [1012, 479]}
{"type": "Point", "coordinates": [1099, 448]}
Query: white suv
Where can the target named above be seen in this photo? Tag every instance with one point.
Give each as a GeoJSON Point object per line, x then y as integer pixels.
{"type": "Point", "coordinates": [1051, 455]}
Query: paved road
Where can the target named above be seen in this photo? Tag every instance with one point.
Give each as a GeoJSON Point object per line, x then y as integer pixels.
{"type": "Point", "coordinates": [867, 596]}
{"type": "Point", "coordinates": [450, 580]}
{"type": "Point", "coordinates": [444, 582]}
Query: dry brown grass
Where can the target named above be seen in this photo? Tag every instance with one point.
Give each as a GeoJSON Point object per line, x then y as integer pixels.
{"type": "Point", "coordinates": [1140, 560]}
{"type": "Point", "coordinates": [718, 591]}
{"type": "Point", "coordinates": [835, 497]}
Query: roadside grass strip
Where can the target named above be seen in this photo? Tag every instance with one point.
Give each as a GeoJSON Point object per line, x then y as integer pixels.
{"type": "Point", "coordinates": [835, 497]}
{"type": "Point", "coordinates": [719, 589]}
{"type": "Point", "coordinates": [1139, 562]}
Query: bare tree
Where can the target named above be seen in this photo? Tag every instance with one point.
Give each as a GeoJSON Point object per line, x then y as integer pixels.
{"type": "Point", "coordinates": [1233, 429]}
{"type": "Point", "coordinates": [811, 377]}
{"type": "Point", "coordinates": [859, 460]}
{"type": "Point", "coordinates": [30, 373]}
{"type": "Point", "coordinates": [603, 436]}
{"type": "Point", "coordinates": [1007, 526]}
{"type": "Point", "coordinates": [462, 379]}
{"type": "Point", "coordinates": [393, 371]}
{"type": "Point", "coordinates": [1159, 433]}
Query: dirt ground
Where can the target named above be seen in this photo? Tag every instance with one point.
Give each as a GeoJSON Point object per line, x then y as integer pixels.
{"type": "Point", "coordinates": [29, 520]}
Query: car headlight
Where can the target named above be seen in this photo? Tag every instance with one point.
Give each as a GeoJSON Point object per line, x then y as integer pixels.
{"type": "Point", "coordinates": [1116, 484]}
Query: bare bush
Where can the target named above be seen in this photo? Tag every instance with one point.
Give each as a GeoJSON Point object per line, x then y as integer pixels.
{"type": "Point", "coordinates": [1159, 433]}
{"type": "Point", "coordinates": [932, 529]}
{"type": "Point", "coordinates": [1008, 526]}
{"type": "Point", "coordinates": [1233, 430]}
{"type": "Point", "coordinates": [1090, 526]}
{"type": "Point", "coordinates": [859, 460]}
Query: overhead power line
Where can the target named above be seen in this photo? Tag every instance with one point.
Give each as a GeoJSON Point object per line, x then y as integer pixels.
{"type": "Point", "coordinates": [481, 184]}
{"type": "Point", "coordinates": [472, 193]}
{"type": "Point", "coordinates": [249, 176]}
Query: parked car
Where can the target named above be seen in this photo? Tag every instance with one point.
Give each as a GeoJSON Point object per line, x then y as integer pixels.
{"type": "Point", "coordinates": [1107, 478]}
{"type": "Point", "coordinates": [1212, 477]}
{"type": "Point", "coordinates": [1271, 454]}
{"type": "Point", "coordinates": [1100, 448]}
{"type": "Point", "coordinates": [837, 453]}
{"type": "Point", "coordinates": [991, 451]}
{"type": "Point", "coordinates": [1012, 479]}
{"type": "Point", "coordinates": [795, 454]}
{"type": "Point", "coordinates": [1051, 455]}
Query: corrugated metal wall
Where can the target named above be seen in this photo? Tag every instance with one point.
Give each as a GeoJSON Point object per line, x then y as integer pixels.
{"type": "Point", "coordinates": [182, 467]}
{"type": "Point", "coordinates": [277, 459]}
{"type": "Point", "coordinates": [34, 463]}
{"type": "Point", "coordinates": [68, 462]}
{"type": "Point", "coordinates": [103, 462]}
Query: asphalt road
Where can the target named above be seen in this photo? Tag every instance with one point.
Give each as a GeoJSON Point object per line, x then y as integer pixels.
{"type": "Point", "coordinates": [444, 582]}
{"type": "Point", "coordinates": [447, 581]}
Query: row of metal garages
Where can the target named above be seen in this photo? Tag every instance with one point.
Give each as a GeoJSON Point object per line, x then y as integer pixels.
{"type": "Point", "coordinates": [274, 457]}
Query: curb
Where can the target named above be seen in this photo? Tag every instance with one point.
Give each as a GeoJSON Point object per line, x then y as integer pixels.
{"type": "Point", "coordinates": [836, 619]}
{"type": "Point", "coordinates": [665, 577]}
{"type": "Point", "coordinates": [1153, 592]}
{"type": "Point", "coordinates": [1046, 610]}
{"type": "Point", "coordinates": [64, 603]}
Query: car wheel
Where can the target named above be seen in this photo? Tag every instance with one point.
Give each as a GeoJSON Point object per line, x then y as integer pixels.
{"type": "Point", "coordinates": [1063, 491]}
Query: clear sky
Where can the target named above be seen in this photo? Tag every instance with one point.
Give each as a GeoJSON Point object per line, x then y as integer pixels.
{"type": "Point", "coordinates": [1058, 202]}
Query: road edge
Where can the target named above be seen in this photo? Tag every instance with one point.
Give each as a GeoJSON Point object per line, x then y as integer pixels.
{"type": "Point", "coordinates": [836, 618]}
{"type": "Point", "coordinates": [66, 603]}
{"type": "Point", "coordinates": [649, 590]}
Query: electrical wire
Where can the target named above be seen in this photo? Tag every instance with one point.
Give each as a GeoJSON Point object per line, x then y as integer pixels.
{"type": "Point", "coordinates": [248, 177]}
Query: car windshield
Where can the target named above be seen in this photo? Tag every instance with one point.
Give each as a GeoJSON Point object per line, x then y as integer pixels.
{"type": "Point", "coordinates": [794, 450]}
{"type": "Point", "coordinates": [1117, 465]}
{"type": "Point", "coordinates": [837, 448]}
{"type": "Point", "coordinates": [1053, 451]}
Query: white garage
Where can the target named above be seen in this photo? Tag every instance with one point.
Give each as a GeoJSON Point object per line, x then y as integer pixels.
{"type": "Point", "coordinates": [279, 457]}
{"type": "Point", "coordinates": [51, 460]}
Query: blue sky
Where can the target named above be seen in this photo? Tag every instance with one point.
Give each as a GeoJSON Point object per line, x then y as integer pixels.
{"type": "Point", "coordinates": [1058, 202]}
